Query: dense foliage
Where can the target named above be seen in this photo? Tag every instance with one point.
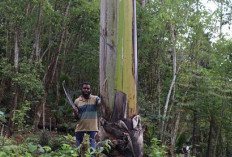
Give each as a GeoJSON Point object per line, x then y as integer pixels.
{"type": "Point", "coordinates": [184, 68]}
{"type": "Point", "coordinates": [47, 144]}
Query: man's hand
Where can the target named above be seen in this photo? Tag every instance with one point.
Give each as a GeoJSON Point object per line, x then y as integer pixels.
{"type": "Point", "coordinates": [76, 112]}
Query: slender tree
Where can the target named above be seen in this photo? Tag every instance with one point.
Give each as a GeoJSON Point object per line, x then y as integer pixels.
{"type": "Point", "coordinates": [16, 89]}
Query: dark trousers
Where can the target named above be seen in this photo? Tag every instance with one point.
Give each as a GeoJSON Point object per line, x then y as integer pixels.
{"type": "Point", "coordinates": [80, 135]}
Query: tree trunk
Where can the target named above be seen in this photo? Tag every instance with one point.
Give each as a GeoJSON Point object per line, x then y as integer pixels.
{"type": "Point", "coordinates": [173, 139]}
{"type": "Point", "coordinates": [120, 121]}
{"type": "Point", "coordinates": [2, 89]}
{"type": "Point", "coordinates": [159, 84]}
{"type": "Point", "coordinates": [142, 3]}
{"type": "Point", "coordinates": [36, 46]}
{"type": "Point", "coordinates": [39, 110]}
{"type": "Point", "coordinates": [16, 89]}
{"type": "Point", "coordinates": [49, 77]}
{"type": "Point", "coordinates": [209, 149]}
{"type": "Point", "coordinates": [221, 19]}
{"type": "Point", "coordinates": [13, 108]}
{"type": "Point", "coordinates": [194, 133]}
{"type": "Point", "coordinates": [219, 128]}
{"type": "Point", "coordinates": [59, 72]}
{"type": "Point", "coordinates": [58, 95]}
{"type": "Point", "coordinates": [173, 40]}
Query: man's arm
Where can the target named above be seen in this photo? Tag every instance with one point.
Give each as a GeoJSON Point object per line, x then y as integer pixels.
{"type": "Point", "coordinates": [76, 113]}
{"type": "Point", "coordinates": [75, 109]}
{"type": "Point", "coordinates": [98, 101]}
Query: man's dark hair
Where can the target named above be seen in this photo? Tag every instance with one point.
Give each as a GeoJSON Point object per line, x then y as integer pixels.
{"type": "Point", "coordinates": [85, 83]}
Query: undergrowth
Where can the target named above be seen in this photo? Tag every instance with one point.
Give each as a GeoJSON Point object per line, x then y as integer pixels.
{"type": "Point", "coordinates": [46, 144]}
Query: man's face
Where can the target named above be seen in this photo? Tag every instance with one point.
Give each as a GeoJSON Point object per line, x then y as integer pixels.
{"type": "Point", "coordinates": [86, 90]}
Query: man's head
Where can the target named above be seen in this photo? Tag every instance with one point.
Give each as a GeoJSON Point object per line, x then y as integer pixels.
{"type": "Point", "coordinates": [86, 89]}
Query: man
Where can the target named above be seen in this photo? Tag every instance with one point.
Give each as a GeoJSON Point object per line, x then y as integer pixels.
{"type": "Point", "coordinates": [186, 150]}
{"type": "Point", "coordinates": [86, 111]}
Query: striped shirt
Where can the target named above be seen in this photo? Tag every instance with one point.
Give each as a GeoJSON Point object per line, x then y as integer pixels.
{"type": "Point", "coordinates": [88, 113]}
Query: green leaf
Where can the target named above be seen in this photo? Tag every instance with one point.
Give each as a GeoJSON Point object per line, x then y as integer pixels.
{"type": "Point", "coordinates": [41, 150]}
{"type": "Point", "coordinates": [32, 148]}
